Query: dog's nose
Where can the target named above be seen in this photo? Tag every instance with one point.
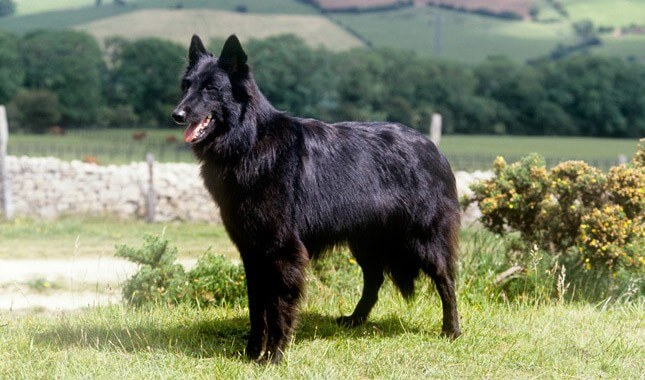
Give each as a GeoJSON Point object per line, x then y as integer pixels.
{"type": "Point", "coordinates": [179, 116]}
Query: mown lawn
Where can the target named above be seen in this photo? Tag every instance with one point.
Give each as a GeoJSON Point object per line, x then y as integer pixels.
{"type": "Point", "coordinates": [521, 338]}
{"type": "Point", "coordinates": [517, 340]}
{"type": "Point", "coordinates": [92, 237]}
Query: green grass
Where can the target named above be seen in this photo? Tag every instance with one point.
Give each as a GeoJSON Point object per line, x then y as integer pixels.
{"type": "Point", "coordinates": [92, 237]}
{"type": "Point", "coordinates": [180, 25]}
{"type": "Point", "coordinates": [113, 146]}
{"type": "Point", "coordinates": [607, 13]}
{"type": "Point", "coordinates": [628, 46]}
{"type": "Point", "coordinates": [399, 342]}
{"type": "Point", "coordinates": [566, 147]}
{"type": "Point", "coordinates": [24, 7]}
{"type": "Point", "coordinates": [54, 15]}
{"type": "Point", "coordinates": [464, 37]}
{"type": "Point", "coordinates": [533, 338]}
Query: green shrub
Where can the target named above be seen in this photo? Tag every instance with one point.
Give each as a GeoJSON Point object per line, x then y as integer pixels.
{"type": "Point", "coordinates": [337, 270]}
{"type": "Point", "coordinates": [590, 222]}
{"type": "Point", "coordinates": [159, 280]}
{"type": "Point", "coordinates": [213, 281]}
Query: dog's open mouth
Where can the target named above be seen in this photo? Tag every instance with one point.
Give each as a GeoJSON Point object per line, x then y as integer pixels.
{"type": "Point", "coordinates": [197, 131]}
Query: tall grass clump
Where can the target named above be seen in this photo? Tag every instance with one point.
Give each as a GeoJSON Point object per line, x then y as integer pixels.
{"type": "Point", "coordinates": [577, 227]}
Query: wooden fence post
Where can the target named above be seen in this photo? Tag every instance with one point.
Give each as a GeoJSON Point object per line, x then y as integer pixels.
{"type": "Point", "coordinates": [150, 200]}
{"type": "Point", "coordinates": [435, 129]}
{"type": "Point", "coordinates": [7, 207]}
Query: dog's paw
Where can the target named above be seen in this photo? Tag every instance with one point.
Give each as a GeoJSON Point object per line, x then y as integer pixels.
{"type": "Point", "coordinates": [450, 334]}
{"type": "Point", "coordinates": [350, 321]}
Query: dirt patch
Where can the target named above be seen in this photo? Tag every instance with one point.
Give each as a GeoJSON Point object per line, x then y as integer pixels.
{"type": "Point", "coordinates": [51, 285]}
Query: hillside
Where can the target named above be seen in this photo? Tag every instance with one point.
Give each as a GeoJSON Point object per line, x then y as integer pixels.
{"type": "Point", "coordinates": [179, 24]}
{"type": "Point", "coordinates": [460, 30]}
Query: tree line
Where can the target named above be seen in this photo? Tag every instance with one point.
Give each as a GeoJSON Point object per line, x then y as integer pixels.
{"type": "Point", "coordinates": [65, 78]}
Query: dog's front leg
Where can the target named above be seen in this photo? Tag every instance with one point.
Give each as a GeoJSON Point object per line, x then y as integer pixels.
{"type": "Point", "coordinates": [257, 308]}
{"type": "Point", "coordinates": [285, 284]}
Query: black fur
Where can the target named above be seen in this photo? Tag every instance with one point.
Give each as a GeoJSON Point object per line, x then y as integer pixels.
{"type": "Point", "coordinates": [290, 188]}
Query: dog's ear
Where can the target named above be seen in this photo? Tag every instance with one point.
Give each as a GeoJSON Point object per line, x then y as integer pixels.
{"type": "Point", "coordinates": [232, 58]}
{"type": "Point", "coordinates": [196, 50]}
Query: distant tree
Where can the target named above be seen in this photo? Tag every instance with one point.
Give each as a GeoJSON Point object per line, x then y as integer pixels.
{"type": "Point", "coordinates": [603, 96]}
{"type": "Point", "coordinates": [68, 63]}
{"type": "Point", "coordinates": [584, 30]}
{"type": "Point", "coordinates": [145, 75]}
{"type": "Point", "coordinates": [7, 7]}
{"type": "Point", "coordinates": [35, 110]}
{"type": "Point", "coordinates": [295, 77]}
{"type": "Point", "coordinates": [11, 68]}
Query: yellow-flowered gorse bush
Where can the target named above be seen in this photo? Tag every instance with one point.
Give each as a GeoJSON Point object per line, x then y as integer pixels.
{"type": "Point", "coordinates": [573, 209]}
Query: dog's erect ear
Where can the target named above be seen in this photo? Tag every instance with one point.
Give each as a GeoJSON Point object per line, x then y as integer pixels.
{"type": "Point", "coordinates": [232, 57]}
{"type": "Point", "coordinates": [196, 50]}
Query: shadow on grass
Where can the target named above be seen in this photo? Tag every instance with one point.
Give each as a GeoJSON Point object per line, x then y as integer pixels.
{"type": "Point", "coordinates": [203, 339]}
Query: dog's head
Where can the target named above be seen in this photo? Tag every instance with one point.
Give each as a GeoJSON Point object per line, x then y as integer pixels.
{"type": "Point", "coordinates": [212, 95]}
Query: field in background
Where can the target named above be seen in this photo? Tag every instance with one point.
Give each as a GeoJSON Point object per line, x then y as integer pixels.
{"type": "Point", "coordinates": [607, 13]}
{"type": "Point", "coordinates": [179, 25]}
{"type": "Point", "coordinates": [465, 37]}
{"type": "Point", "coordinates": [117, 146]}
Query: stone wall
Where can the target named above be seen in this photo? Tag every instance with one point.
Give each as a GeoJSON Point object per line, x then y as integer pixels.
{"type": "Point", "coordinates": [48, 188]}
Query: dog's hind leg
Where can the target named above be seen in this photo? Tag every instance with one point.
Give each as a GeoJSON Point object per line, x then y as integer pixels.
{"type": "Point", "coordinates": [438, 262]}
{"type": "Point", "coordinates": [372, 267]}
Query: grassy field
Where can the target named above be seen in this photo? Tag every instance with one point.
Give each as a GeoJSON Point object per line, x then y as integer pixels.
{"type": "Point", "coordinates": [516, 339]}
{"type": "Point", "coordinates": [59, 15]}
{"type": "Point", "coordinates": [464, 37]}
{"type": "Point", "coordinates": [180, 25]}
{"type": "Point", "coordinates": [607, 13]}
{"type": "Point", "coordinates": [115, 146]}
{"type": "Point", "coordinates": [93, 237]}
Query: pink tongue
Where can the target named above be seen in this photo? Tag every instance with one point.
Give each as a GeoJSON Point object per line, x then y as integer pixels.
{"type": "Point", "coordinates": [190, 132]}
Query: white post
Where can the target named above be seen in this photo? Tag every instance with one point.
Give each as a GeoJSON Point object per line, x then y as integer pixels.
{"type": "Point", "coordinates": [150, 201]}
{"type": "Point", "coordinates": [435, 128]}
{"type": "Point", "coordinates": [4, 181]}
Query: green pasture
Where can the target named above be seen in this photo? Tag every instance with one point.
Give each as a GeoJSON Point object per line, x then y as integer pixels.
{"type": "Point", "coordinates": [501, 339]}
{"type": "Point", "coordinates": [180, 25]}
{"type": "Point", "coordinates": [607, 13]}
{"type": "Point", "coordinates": [116, 146]}
{"type": "Point", "coordinates": [464, 37]}
{"type": "Point", "coordinates": [45, 14]}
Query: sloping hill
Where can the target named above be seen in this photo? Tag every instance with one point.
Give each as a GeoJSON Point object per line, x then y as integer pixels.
{"type": "Point", "coordinates": [178, 25]}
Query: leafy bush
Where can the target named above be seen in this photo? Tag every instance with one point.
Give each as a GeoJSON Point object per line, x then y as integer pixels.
{"type": "Point", "coordinates": [216, 281]}
{"type": "Point", "coordinates": [35, 110]}
{"type": "Point", "coordinates": [159, 280]}
{"type": "Point", "coordinates": [586, 220]}
{"type": "Point", "coordinates": [213, 281]}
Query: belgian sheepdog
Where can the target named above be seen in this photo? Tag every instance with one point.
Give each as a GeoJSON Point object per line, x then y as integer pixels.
{"type": "Point", "coordinates": [290, 188]}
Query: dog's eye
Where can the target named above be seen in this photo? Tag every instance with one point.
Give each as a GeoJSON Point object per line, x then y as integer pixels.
{"type": "Point", "coordinates": [209, 87]}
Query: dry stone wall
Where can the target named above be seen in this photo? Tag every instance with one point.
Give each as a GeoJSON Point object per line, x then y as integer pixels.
{"type": "Point", "coordinates": [49, 188]}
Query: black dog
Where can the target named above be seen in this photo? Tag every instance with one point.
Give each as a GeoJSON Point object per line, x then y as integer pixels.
{"type": "Point", "coordinates": [290, 188]}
